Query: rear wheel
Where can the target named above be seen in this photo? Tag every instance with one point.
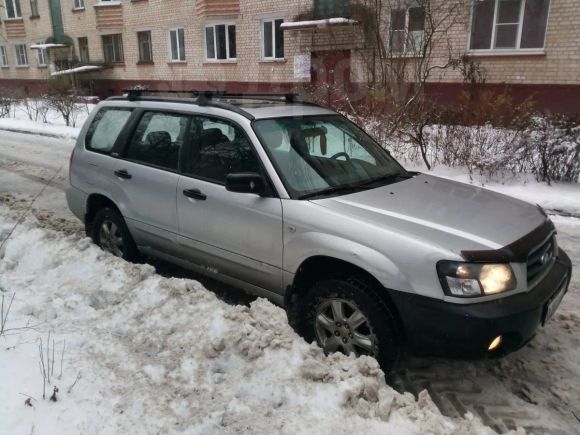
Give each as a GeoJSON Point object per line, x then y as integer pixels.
{"type": "Point", "coordinates": [347, 315]}
{"type": "Point", "coordinates": [109, 231]}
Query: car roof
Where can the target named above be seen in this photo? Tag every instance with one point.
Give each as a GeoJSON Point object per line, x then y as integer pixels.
{"type": "Point", "coordinates": [251, 109]}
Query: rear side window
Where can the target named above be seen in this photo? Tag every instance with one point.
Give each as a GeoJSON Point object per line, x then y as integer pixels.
{"type": "Point", "coordinates": [105, 128]}
{"type": "Point", "coordinates": [159, 138]}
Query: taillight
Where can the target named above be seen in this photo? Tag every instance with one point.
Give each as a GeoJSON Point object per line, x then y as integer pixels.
{"type": "Point", "coordinates": [70, 165]}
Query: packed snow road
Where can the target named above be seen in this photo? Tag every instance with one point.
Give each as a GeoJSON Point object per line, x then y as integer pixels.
{"type": "Point", "coordinates": [141, 364]}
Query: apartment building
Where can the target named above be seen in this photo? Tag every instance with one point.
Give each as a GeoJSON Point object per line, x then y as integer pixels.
{"type": "Point", "coordinates": [532, 46]}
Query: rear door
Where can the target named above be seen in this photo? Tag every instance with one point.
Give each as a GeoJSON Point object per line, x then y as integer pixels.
{"type": "Point", "coordinates": [146, 175]}
{"type": "Point", "coordinates": [235, 234]}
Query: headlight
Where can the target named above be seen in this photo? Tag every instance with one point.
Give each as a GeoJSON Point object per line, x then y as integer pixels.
{"type": "Point", "coordinates": [473, 279]}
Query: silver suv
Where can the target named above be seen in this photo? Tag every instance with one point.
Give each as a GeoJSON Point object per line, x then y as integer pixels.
{"type": "Point", "coordinates": [293, 202]}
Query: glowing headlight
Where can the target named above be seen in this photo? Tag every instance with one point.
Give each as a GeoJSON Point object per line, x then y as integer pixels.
{"type": "Point", "coordinates": [474, 279]}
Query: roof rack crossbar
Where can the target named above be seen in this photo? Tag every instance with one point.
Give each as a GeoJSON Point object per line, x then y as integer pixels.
{"type": "Point", "coordinates": [289, 97]}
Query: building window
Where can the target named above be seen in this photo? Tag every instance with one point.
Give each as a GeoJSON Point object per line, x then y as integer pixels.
{"type": "Point", "coordinates": [34, 9]}
{"type": "Point", "coordinates": [145, 50]}
{"type": "Point", "coordinates": [272, 39]}
{"type": "Point", "coordinates": [41, 56]}
{"type": "Point", "coordinates": [84, 50]}
{"type": "Point", "coordinates": [13, 9]}
{"type": "Point", "coordinates": [407, 30]}
{"type": "Point", "coordinates": [220, 42]}
{"type": "Point", "coordinates": [509, 24]}
{"type": "Point", "coordinates": [3, 57]}
{"type": "Point", "coordinates": [331, 9]}
{"type": "Point", "coordinates": [20, 54]}
{"type": "Point", "coordinates": [177, 45]}
{"type": "Point", "coordinates": [79, 4]}
{"type": "Point", "coordinates": [113, 48]}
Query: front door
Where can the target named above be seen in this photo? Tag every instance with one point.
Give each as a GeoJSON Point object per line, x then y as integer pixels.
{"type": "Point", "coordinates": [235, 234]}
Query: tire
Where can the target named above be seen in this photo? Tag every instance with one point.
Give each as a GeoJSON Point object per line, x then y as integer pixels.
{"type": "Point", "coordinates": [119, 243]}
{"type": "Point", "coordinates": [378, 336]}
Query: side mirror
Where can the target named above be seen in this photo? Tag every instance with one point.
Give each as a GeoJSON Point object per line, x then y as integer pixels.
{"type": "Point", "coordinates": [246, 182]}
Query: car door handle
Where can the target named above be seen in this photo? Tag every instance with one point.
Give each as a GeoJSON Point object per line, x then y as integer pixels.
{"type": "Point", "coordinates": [195, 194]}
{"type": "Point", "coordinates": [123, 174]}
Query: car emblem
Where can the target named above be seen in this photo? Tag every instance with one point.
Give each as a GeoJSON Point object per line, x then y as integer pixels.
{"type": "Point", "coordinates": [545, 258]}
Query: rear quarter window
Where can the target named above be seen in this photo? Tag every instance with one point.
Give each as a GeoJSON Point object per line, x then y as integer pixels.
{"type": "Point", "coordinates": [105, 128]}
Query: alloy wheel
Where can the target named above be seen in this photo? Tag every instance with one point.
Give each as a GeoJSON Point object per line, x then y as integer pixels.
{"type": "Point", "coordinates": [341, 326]}
{"type": "Point", "coordinates": [111, 239]}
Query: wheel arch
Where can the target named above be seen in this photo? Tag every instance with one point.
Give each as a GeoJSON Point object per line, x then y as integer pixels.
{"type": "Point", "coordinates": [318, 267]}
{"type": "Point", "coordinates": [96, 202]}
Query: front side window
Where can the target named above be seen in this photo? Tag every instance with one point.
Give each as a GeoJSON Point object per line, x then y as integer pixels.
{"type": "Point", "coordinates": [509, 24]}
{"type": "Point", "coordinates": [113, 48]}
{"type": "Point", "coordinates": [220, 42]}
{"type": "Point", "coordinates": [407, 30]}
{"type": "Point", "coordinates": [105, 129]}
{"type": "Point", "coordinates": [145, 50]}
{"type": "Point", "coordinates": [177, 45]}
{"type": "Point", "coordinates": [272, 39]}
{"type": "Point", "coordinates": [13, 9]}
{"type": "Point", "coordinates": [21, 55]}
{"type": "Point", "coordinates": [159, 138]}
{"type": "Point", "coordinates": [84, 50]}
{"type": "Point", "coordinates": [79, 4]}
{"type": "Point", "coordinates": [42, 56]}
{"type": "Point", "coordinates": [3, 57]}
{"type": "Point", "coordinates": [219, 148]}
{"type": "Point", "coordinates": [324, 154]}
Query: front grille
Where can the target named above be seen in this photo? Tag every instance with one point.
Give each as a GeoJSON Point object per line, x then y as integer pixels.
{"type": "Point", "coordinates": [541, 259]}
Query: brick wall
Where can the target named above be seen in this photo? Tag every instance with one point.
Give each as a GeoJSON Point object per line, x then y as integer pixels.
{"type": "Point", "coordinates": [559, 65]}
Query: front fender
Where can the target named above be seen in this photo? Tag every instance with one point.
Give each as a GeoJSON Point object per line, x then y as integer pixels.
{"type": "Point", "coordinates": [311, 244]}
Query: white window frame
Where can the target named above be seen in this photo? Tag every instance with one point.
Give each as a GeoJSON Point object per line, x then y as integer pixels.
{"type": "Point", "coordinates": [15, 9]}
{"type": "Point", "coordinates": [121, 48]}
{"type": "Point", "coordinates": [179, 59]}
{"type": "Point", "coordinates": [492, 51]}
{"type": "Point", "coordinates": [406, 50]}
{"type": "Point", "coordinates": [150, 50]}
{"type": "Point", "coordinates": [78, 5]}
{"type": "Point", "coordinates": [263, 39]}
{"type": "Point", "coordinates": [34, 13]}
{"type": "Point", "coordinates": [42, 56]}
{"type": "Point", "coordinates": [17, 55]}
{"type": "Point", "coordinates": [215, 59]}
{"type": "Point", "coordinates": [3, 57]}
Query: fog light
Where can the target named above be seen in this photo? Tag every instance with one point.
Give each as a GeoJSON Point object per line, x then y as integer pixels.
{"type": "Point", "coordinates": [495, 343]}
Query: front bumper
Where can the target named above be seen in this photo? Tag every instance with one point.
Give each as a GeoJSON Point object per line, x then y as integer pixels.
{"type": "Point", "coordinates": [437, 328]}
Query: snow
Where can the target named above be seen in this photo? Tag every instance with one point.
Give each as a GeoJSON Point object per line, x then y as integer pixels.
{"type": "Point", "coordinates": [19, 121]}
{"type": "Point", "coordinates": [47, 46]}
{"type": "Point", "coordinates": [78, 69]}
{"type": "Point", "coordinates": [152, 354]}
{"type": "Point", "coordinates": [317, 23]}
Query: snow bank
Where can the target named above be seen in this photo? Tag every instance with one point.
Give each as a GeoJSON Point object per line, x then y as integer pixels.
{"type": "Point", "coordinates": [157, 355]}
{"type": "Point", "coordinates": [31, 127]}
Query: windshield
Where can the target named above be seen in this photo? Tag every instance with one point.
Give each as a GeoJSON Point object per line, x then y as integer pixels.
{"type": "Point", "coordinates": [324, 155]}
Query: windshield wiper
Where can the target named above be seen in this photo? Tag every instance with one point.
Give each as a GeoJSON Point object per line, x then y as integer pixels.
{"type": "Point", "coordinates": [331, 190]}
{"type": "Point", "coordinates": [387, 179]}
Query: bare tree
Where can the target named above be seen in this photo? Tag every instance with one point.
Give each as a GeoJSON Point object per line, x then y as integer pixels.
{"type": "Point", "coordinates": [64, 98]}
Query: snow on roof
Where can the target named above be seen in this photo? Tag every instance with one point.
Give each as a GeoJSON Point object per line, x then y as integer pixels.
{"type": "Point", "coordinates": [79, 69]}
{"type": "Point", "coordinates": [318, 23]}
{"type": "Point", "coordinates": [47, 46]}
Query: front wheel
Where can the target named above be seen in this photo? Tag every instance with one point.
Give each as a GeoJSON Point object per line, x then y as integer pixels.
{"type": "Point", "coordinates": [111, 234]}
{"type": "Point", "coordinates": [347, 315]}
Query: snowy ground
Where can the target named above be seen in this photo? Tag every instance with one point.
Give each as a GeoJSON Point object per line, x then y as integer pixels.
{"type": "Point", "coordinates": [158, 354]}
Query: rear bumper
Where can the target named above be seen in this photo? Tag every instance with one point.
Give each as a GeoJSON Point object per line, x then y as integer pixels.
{"type": "Point", "coordinates": [77, 202]}
{"type": "Point", "coordinates": [438, 328]}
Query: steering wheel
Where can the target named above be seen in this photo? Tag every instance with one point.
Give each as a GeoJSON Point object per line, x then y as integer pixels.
{"type": "Point", "coordinates": [341, 154]}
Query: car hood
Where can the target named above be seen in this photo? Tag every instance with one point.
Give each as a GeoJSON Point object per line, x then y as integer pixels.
{"type": "Point", "coordinates": [433, 208]}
